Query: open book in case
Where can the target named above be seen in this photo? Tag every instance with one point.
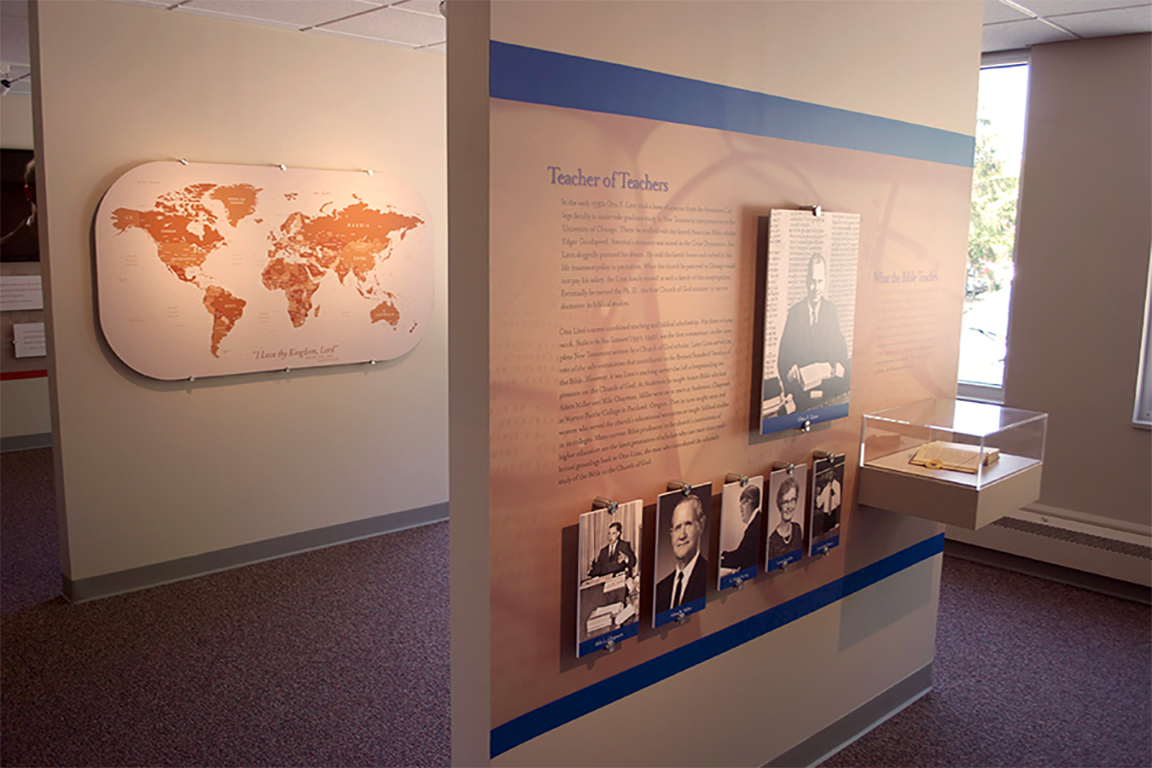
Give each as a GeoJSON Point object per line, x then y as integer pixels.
{"type": "Point", "coordinates": [954, 461]}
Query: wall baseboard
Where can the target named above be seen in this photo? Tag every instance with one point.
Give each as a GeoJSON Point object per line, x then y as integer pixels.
{"type": "Point", "coordinates": [25, 442]}
{"type": "Point", "coordinates": [1053, 572]}
{"type": "Point", "coordinates": [872, 713]}
{"type": "Point", "coordinates": [1064, 539]}
{"type": "Point", "coordinates": [132, 579]}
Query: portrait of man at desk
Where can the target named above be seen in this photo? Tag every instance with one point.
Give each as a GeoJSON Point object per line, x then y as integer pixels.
{"type": "Point", "coordinates": [608, 601]}
{"type": "Point", "coordinates": [682, 523]}
{"type": "Point", "coordinates": [813, 361]}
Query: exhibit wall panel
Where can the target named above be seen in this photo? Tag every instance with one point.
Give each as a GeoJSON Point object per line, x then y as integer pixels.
{"type": "Point", "coordinates": [24, 406]}
{"type": "Point", "coordinates": [749, 705]}
{"type": "Point", "coordinates": [153, 471]}
{"type": "Point", "coordinates": [1082, 251]}
{"type": "Point", "coordinates": [624, 201]}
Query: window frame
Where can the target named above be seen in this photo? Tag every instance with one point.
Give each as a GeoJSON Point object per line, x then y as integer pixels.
{"type": "Point", "coordinates": [988, 393]}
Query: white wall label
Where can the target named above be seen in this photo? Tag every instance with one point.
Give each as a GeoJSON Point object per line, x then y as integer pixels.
{"type": "Point", "coordinates": [29, 340]}
{"type": "Point", "coordinates": [21, 292]}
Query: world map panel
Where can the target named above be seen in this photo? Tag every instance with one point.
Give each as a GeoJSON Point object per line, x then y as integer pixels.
{"type": "Point", "coordinates": [211, 270]}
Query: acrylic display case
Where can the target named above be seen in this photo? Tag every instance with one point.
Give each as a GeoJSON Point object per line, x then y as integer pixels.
{"type": "Point", "coordinates": [952, 461]}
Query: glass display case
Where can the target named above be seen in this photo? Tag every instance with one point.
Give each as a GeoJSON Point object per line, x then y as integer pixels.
{"type": "Point", "coordinates": [954, 461]}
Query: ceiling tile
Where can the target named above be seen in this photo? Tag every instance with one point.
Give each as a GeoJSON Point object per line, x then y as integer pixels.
{"type": "Point", "coordinates": [161, 4]}
{"type": "Point", "coordinates": [1124, 21]}
{"type": "Point", "coordinates": [294, 14]}
{"type": "Point", "coordinates": [996, 12]}
{"type": "Point", "coordinates": [22, 87]}
{"type": "Point", "coordinates": [14, 40]}
{"type": "Point", "coordinates": [14, 8]}
{"type": "Point", "coordinates": [1019, 34]}
{"type": "Point", "coordinates": [394, 25]}
{"type": "Point", "coordinates": [430, 7]}
{"type": "Point", "coordinates": [1054, 7]}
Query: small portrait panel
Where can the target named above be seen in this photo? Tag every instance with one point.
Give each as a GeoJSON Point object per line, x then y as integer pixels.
{"type": "Point", "coordinates": [741, 531]}
{"type": "Point", "coordinates": [681, 571]}
{"type": "Point", "coordinates": [787, 492]}
{"type": "Point", "coordinates": [827, 503]}
{"type": "Point", "coordinates": [608, 605]}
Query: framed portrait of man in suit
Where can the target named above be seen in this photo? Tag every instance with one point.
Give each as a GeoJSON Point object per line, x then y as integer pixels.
{"type": "Point", "coordinates": [681, 572]}
{"type": "Point", "coordinates": [610, 579]}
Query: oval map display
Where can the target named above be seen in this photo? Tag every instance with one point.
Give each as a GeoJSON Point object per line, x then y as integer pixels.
{"type": "Point", "coordinates": [209, 270]}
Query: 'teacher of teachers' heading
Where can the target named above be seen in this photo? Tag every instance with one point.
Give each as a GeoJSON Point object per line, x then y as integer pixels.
{"type": "Point", "coordinates": [614, 180]}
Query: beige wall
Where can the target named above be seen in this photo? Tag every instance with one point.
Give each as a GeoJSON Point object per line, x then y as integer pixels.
{"type": "Point", "coordinates": [1082, 260]}
{"type": "Point", "coordinates": [152, 471]}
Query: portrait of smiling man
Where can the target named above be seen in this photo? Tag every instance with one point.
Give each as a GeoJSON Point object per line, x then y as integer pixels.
{"type": "Point", "coordinates": [683, 518]}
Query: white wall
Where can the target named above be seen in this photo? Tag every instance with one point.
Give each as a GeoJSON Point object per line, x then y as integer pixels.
{"type": "Point", "coordinates": [152, 471]}
{"type": "Point", "coordinates": [1081, 272]}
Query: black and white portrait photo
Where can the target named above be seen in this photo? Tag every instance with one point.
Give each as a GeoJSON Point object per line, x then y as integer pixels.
{"type": "Point", "coordinates": [786, 493]}
{"type": "Point", "coordinates": [681, 566]}
{"type": "Point", "coordinates": [608, 604]}
{"type": "Point", "coordinates": [827, 503]}
{"type": "Point", "coordinates": [741, 531]}
{"type": "Point", "coordinates": [809, 317]}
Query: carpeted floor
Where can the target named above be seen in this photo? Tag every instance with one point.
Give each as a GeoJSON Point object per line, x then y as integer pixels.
{"type": "Point", "coordinates": [339, 657]}
{"type": "Point", "coordinates": [1027, 673]}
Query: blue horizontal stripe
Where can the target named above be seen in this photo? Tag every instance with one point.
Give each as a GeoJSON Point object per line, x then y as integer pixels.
{"type": "Point", "coordinates": [535, 76]}
{"type": "Point", "coordinates": [575, 705]}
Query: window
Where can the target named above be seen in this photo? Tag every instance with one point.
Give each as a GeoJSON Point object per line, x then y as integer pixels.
{"type": "Point", "coordinates": [1143, 412]}
{"type": "Point", "coordinates": [1003, 100]}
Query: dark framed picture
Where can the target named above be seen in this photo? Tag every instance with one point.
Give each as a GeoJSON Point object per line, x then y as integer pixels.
{"type": "Point", "coordinates": [18, 206]}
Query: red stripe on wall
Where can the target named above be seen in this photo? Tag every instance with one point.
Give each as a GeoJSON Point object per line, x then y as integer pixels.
{"type": "Point", "coordinates": [11, 375]}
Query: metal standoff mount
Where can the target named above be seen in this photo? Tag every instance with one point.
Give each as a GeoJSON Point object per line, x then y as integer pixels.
{"type": "Point", "coordinates": [680, 617]}
{"type": "Point", "coordinates": [610, 645]}
{"type": "Point", "coordinates": [191, 378]}
{"type": "Point", "coordinates": [824, 454]}
{"type": "Point", "coordinates": [784, 565]}
{"type": "Point", "coordinates": [816, 209]}
{"type": "Point", "coordinates": [784, 465]}
{"type": "Point", "coordinates": [602, 503]}
{"type": "Point", "coordinates": [183, 161]}
{"type": "Point", "coordinates": [738, 582]}
{"type": "Point", "coordinates": [368, 171]}
{"type": "Point", "coordinates": [824, 552]}
{"type": "Point", "coordinates": [732, 477]}
{"type": "Point", "coordinates": [677, 485]}
{"type": "Point", "coordinates": [287, 370]}
{"type": "Point", "coordinates": [282, 167]}
{"type": "Point", "coordinates": [806, 426]}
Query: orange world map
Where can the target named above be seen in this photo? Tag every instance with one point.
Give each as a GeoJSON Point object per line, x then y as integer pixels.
{"type": "Point", "coordinates": [189, 225]}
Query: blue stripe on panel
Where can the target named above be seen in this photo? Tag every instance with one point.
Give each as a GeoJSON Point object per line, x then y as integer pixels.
{"type": "Point", "coordinates": [518, 73]}
{"type": "Point", "coordinates": [575, 705]}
